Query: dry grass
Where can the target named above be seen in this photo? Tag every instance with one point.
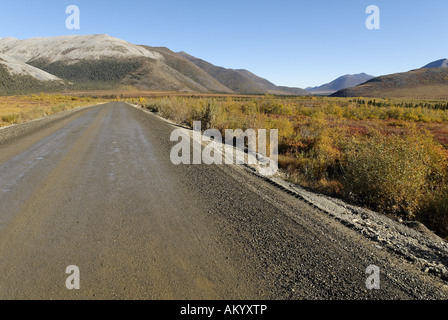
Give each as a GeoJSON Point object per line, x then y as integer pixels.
{"type": "Point", "coordinates": [20, 109]}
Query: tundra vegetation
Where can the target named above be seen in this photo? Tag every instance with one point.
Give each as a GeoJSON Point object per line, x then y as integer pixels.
{"type": "Point", "coordinates": [390, 155]}
{"type": "Point", "coordinates": [23, 108]}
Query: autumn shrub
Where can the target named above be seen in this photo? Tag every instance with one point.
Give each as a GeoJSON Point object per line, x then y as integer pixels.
{"type": "Point", "coordinates": [391, 173]}
{"type": "Point", "coordinates": [173, 108]}
{"type": "Point", "coordinates": [368, 152]}
{"type": "Point", "coordinates": [204, 111]}
{"type": "Point", "coordinates": [434, 211]}
{"type": "Point", "coordinates": [311, 155]}
{"type": "Point", "coordinates": [59, 108]}
{"type": "Point", "coordinates": [33, 113]}
{"type": "Point", "coordinates": [11, 118]}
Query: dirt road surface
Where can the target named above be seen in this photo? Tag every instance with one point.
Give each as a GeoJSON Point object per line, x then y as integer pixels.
{"type": "Point", "coordinates": [95, 188]}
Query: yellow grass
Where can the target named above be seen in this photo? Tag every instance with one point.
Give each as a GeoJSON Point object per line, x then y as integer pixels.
{"type": "Point", "coordinates": [20, 109]}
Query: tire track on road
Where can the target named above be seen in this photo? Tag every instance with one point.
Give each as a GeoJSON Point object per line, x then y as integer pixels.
{"type": "Point", "coordinates": [33, 213]}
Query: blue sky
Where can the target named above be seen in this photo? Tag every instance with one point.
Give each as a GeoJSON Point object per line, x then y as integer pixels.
{"type": "Point", "coordinates": [289, 42]}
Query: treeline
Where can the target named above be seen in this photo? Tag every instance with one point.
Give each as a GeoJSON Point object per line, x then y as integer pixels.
{"type": "Point", "coordinates": [442, 105]}
{"type": "Point", "coordinates": [11, 84]}
{"type": "Point", "coordinates": [110, 70]}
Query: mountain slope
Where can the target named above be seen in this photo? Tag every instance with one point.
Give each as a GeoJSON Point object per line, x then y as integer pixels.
{"type": "Point", "coordinates": [228, 77]}
{"type": "Point", "coordinates": [84, 60]}
{"type": "Point", "coordinates": [102, 61]}
{"type": "Point", "coordinates": [270, 87]}
{"type": "Point", "coordinates": [188, 73]}
{"type": "Point", "coordinates": [346, 81]}
{"type": "Point", "coordinates": [421, 83]}
{"type": "Point", "coordinates": [17, 77]}
{"type": "Point", "coordinates": [241, 81]}
{"type": "Point", "coordinates": [442, 63]}
{"type": "Point", "coordinates": [91, 61]}
{"type": "Point", "coordinates": [17, 67]}
{"type": "Point", "coordinates": [73, 48]}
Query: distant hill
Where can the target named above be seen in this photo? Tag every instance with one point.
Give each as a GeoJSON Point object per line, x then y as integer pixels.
{"type": "Point", "coordinates": [242, 80]}
{"type": "Point", "coordinates": [91, 61]}
{"type": "Point", "coordinates": [18, 77]}
{"type": "Point", "coordinates": [180, 74]}
{"type": "Point", "coordinates": [17, 67]}
{"type": "Point", "coordinates": [420, 83]}
{"type": "Point", "coordinates": [442, 63]}
{"type": "Point", "coordinates": [105, 62]}
{"type": "Point", "coordinates": [346, 81]}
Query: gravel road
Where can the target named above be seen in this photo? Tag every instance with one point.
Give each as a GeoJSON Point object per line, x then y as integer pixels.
{"type": "Point", "coordinates": [95, 188]}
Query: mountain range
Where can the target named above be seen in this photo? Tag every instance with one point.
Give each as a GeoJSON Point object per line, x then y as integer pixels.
{"type": "Point", "coordinates": [346, 81]}
{"type": "Point", "coordinates": [241, 80]}
{"type": "Point", "coordinates": [102, 62]}
{"type": "Point", "coordinates": [430, 81]}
